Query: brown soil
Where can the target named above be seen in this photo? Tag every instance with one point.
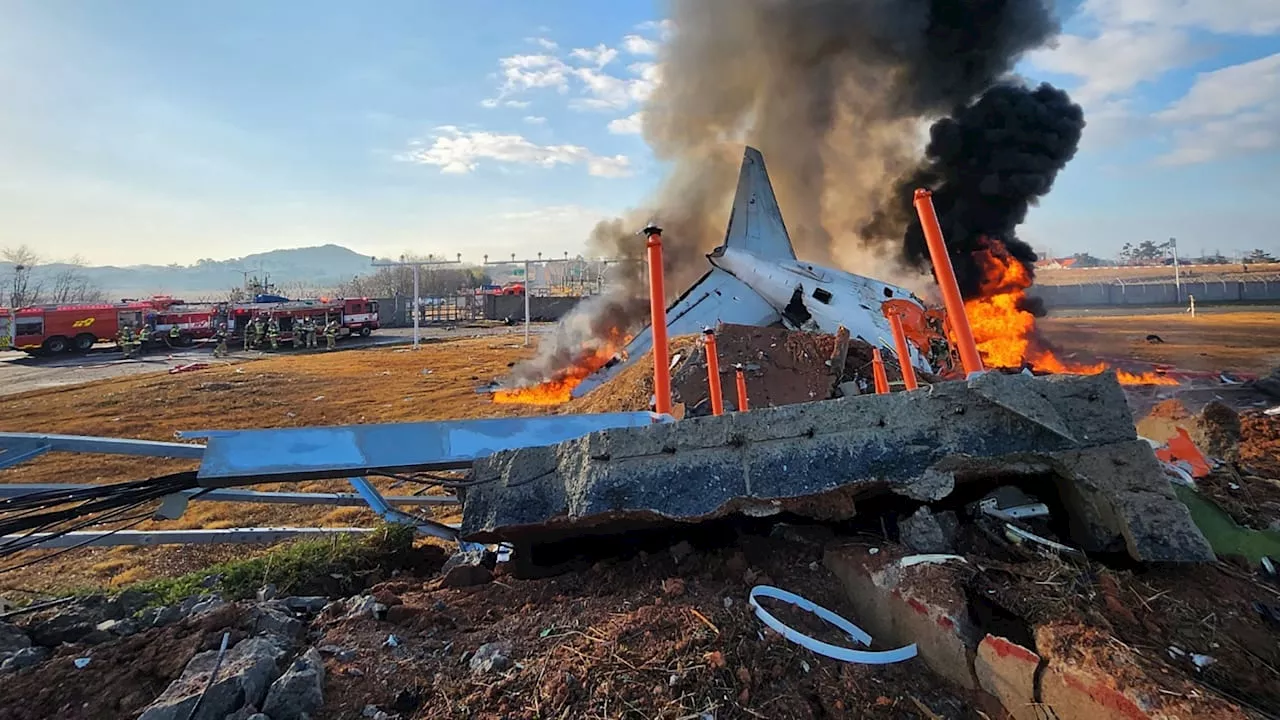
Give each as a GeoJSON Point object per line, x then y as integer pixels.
{"type": "Point", "coordinates": [1260, 444]}
{"type": "Point", "coordinates": [1244, 342]}
{"type": "Point", "coordinates": [122, 677]}
{"type": "Point", "coordinates": [637, 638]}
{"type": "Point", "coordinates": [1205, 609]}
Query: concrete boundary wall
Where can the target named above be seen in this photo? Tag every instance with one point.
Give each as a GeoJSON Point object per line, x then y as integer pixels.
{"type": "Point", "coordinates": [1147, 294]}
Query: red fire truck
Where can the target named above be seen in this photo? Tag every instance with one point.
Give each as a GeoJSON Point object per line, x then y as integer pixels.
{"type": "Point", "coordinates": [354, 315]}
{"type": "Point", "coordinates": [52, 329]}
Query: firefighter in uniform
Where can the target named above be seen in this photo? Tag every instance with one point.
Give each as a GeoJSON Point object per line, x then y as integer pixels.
{"type": "Point", "coordinates": [331, 334]}
{"type": "Point", "coordinates": [299, 334]}
{"type": "Point", "coordinates": [248, 335]}
{"type": "Point", "coordinates": [273, 332]}
{"type": "Point", "coordinates": [144, 336]}
{"type": "Point", "coordinates": [125, 340]}
{"type": "Point", "coordinates": [309, 328]}
{"type": "Point", "coordinates": [175, 336]}
{"type": "Point", "coordinates": [259, 328]}
{"type": "Point", "coordinates": [221, 336]}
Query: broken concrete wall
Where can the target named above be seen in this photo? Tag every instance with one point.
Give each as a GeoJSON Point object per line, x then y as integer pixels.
{"type": "Point", "coordinates": [815, 459]}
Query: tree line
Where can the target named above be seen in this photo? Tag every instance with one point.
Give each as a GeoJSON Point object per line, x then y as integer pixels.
{"type": "Point", "coordinates": [28, 282]}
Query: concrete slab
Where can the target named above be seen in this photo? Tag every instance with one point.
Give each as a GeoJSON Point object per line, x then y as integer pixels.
{"type": "Point", "coordinates": [816, 459]}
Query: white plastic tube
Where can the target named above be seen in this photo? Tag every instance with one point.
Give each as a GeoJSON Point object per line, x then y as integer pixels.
{"type": "Point", "coordinates": [857, 634]}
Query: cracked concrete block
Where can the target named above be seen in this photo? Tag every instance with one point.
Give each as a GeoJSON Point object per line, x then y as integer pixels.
{"type": "Point", "coordinates": [1008, 671]}
{"type": "Point", "coordinates": [1117, 497]}
{"type": "Point", "coordinates": [816, 459]}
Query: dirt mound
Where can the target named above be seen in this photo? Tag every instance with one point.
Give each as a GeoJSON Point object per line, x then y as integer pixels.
{"type": "Point", "coordinates": [643, 637]}
{"type": "Point", "coordinates": [121, 678]}
{"type": "Point", "coordinates": [1260, 444]}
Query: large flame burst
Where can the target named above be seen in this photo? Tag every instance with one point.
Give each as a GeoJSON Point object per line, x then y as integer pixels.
{"type": "Point", "coordinates": [1005, 331]}
{"type": "Point", "coordinates": [559, 388]}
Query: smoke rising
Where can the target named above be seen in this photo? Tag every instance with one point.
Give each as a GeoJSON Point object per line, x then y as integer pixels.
{"type": "Point", "coordinates": [986, 165]}
{"type": "Point", "coordinates": [835, 94]}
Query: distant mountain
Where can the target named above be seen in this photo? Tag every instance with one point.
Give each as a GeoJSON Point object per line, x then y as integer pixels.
{"type": "Point", "coordinates": [318, 268]}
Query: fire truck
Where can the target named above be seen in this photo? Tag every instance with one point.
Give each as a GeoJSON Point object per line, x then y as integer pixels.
{"type": "Point", "coordinates": [52, 329]}
{"type": "Point", "coordinates": [354, 315]}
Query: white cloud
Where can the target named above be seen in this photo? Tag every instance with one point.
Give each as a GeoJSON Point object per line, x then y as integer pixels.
{"type": "Point", "coordinates": [610, 92]}
{"type": "Point", "coordinates": [1117, 60]}
{"type": "Point", "coordinates": [609, 167]}
{"type": "Point", "coordinates": [599, 56]}
{"type": "Point", "coordinates": [664, 27]}
{"type": "Point", "coordinates": [629, 125]}
{"type": "Point", "coordinates": [544, 43]}
{"type": "Point", "coordinates": [535, 119]}
{"type": "Point", "coordinates": [457, 151]}
{"type": "Point", "coordinates": [525, 72]}
{"type": "Point", "coordinates": [1230, 111]}
{"type": "Point", "coordinates": [637, 45]}
{"type": "Point", "coordinates": [1247, 17]}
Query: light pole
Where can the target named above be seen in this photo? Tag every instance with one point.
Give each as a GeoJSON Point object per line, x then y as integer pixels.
{"type": "Point", "coordinates": [1177, 275]}
{"type": "Point", "coordinates": [417, 266]}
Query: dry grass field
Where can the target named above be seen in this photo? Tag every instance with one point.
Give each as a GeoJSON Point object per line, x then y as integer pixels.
{"type": "Point", "coordinates": [396, 385]}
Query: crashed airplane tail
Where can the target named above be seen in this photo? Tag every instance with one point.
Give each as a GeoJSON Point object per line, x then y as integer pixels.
{"type": "Point", "coordinates": [756, 279]}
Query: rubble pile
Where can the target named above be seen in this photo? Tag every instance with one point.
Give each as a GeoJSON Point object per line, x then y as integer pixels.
{"type": "Point", "coordinates": [1018, 534]}
{"type": "Point", "coordinates": [781, 367]}
{"type": "Point", "coordinates": [1071, 434]}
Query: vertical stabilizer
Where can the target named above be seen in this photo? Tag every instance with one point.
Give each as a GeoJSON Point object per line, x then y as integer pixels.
{"type": "Point", "coordinates": [755, 225]}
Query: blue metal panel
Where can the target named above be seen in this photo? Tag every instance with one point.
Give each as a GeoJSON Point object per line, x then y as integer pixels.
{"type": "Point", "coordinates": [234, 457]}
{"type": "Point", "coordinates": [108, 446]}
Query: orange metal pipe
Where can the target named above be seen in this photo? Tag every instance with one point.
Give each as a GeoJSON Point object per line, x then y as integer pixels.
{"type": "Point", "coordinates": [742, 390]}
{"type": "Point", "coordinates": [658, 312]}
{"type": "Point", "coordinates": [946, 274]}
{"type": "Point", "coordinates": [713, 373]}
{"type": "Point", "coordinates": [904, 354]}
{"type": "Point", "coordinates": [877, 371]}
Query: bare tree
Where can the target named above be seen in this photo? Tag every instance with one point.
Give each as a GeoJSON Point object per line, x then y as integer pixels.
{"type": "Point", "coordinates": [23, 288]}
{"type": "Point", "coordinates": [71, 285]}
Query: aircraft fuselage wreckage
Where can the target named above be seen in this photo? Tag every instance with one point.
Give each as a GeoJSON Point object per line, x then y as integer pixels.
{"type": "Point", "coordinates": [756, 279]}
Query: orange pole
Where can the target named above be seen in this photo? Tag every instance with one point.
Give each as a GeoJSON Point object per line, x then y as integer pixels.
{"type": "Point", "coordinates": [946, 274]}
{"type": "Point", "coordinates": [658, 311]}
{"type": "Point", "coordinates": [904, 354]}
{"type": "Point", "coordinates": [713, 373]}
{"type": "Point", "coordinates": [742, 390]}
{"type": "Point", "coordinates": [877, 371]}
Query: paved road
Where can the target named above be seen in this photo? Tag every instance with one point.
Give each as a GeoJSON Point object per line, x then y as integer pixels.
{"type": "Point", "coordinates": [20, 372]}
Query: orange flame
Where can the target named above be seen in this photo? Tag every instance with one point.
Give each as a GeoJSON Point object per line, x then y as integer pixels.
{"type": "Point", "coordinates": [559, 389]}
{"type": "Point", "coordinates": [1006, 333]}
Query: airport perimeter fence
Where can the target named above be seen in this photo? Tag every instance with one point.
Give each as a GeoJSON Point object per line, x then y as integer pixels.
{"type": "Point", "coordinates": [1137, 294]}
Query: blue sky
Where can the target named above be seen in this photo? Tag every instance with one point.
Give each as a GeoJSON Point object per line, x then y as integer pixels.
{"type": "Point", "coordinates": [155, 131]}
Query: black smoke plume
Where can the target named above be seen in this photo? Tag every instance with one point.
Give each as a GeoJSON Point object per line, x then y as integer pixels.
{"type": "Point", "coordinates": [986, 165]}
{"type": "Point", "coordinates": [834, 93]}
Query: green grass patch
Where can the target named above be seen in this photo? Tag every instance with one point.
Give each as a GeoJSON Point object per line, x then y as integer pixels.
{"type": "Point", "coordinates": [1223, 533]}
{"type": "Point", "coordinates": [328, 566]}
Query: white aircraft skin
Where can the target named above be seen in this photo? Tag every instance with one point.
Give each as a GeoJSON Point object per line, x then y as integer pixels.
{"type": "Point", "coordinates": [852, 301]}
{"type": "Point", "coordinates": [756, 280]}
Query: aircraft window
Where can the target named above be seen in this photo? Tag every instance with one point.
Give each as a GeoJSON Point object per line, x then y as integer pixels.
{"type": "Point", "coordinates": [888, 293]}
{"type": "Point", "coordinates": [822, 296]}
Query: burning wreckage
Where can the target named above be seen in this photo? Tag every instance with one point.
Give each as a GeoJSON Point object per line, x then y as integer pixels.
{"type": "Point", "coordinates": [1040, 465]}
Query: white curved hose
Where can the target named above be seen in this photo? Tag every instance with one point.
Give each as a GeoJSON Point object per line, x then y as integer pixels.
{"type": "Point", "coordinates": [857, 634]}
